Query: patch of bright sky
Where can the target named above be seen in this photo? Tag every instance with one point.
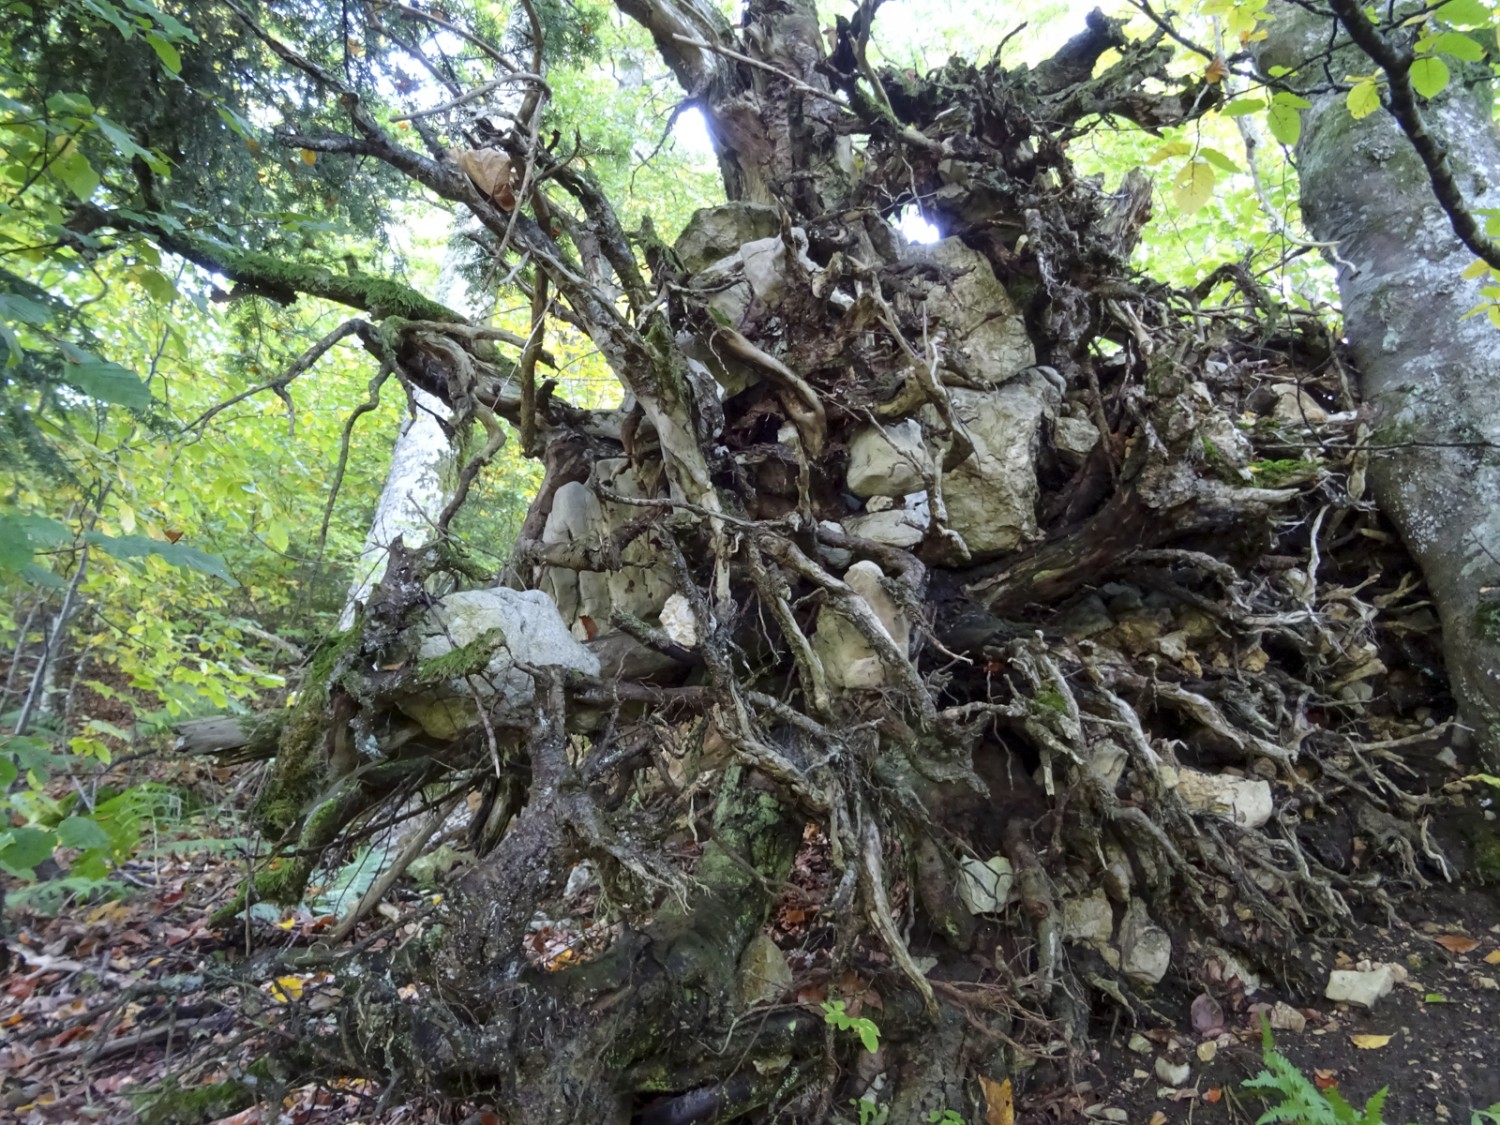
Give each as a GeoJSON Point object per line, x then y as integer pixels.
{"type": "Point", "coordinates": [923, 34]}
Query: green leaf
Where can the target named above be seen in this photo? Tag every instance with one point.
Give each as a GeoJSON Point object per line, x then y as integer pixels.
{"type": "Point", "coordinates": [75, 171]}
{"type": "Point", "coordinates": [23, 848]}
{"type": "Point", "coordinates": [81, 832]}
{"type": "Point", "coordinates": [15, 307]}
{"type": "Point", "coordinates": [166, 52]}
{"type": "Point", "coordinates": [1218, 160]}
{"type": "Point", "coordinates": [1429, 75]}
{"type": "Point", "coordinates": [869, 1035]}
{"type": "Point", "coordinates": [103, 380]}
{"type": "Point", "coordinates": [8, 772]}
{"type": "Point", "coordinates": [108, 12]}
{"type": "Point", "coordinates": [70, 104]}
{"type": "Point", "coordinates": [159, 286]}
{"type": "Point", "coordinates": [21, 537]}
{"type": "Point", "coordinates": [1193, 186]}
{"type": "Point", "coordinates": [1241, 106]}
{"type": "Point", "coordinates": [176, 554]}
{"type": "Point", "coordinates": [1363, 99]}
{"type": "Point", "coordinates": [1456, 45]}
{"type": "Point", "coordinates": [1286, 97]}
{"type": "Point", "coordinates": [1285, 123]}
{"type": "Point", "coordinates": [1464, 13]}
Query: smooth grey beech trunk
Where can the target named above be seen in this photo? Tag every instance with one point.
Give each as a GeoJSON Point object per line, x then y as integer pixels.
{"type": "Point", "coordinates": [1430, 377]}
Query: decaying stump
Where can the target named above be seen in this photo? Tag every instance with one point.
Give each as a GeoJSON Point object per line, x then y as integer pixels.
{"type": "Point", "coordinates": [980, 621]}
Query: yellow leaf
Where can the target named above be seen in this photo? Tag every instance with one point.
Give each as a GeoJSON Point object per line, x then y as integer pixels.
{"type": "Point", "coordinates": [1193, 186]}
{"type": "Point", "coordinates": [1370, 1042]}
{"type": "Point", "coordinates": [999, 1102]}
{"type": "Point", "coordinates": [286, 989]}
{"type": "Point", "coordinates": [1492, 957]}
{"type": "Point", "coordinates": [287, 923]}
{"type": "Point", "coordinates": [309, 156]}
{"type": "Point", "coordinates": [1477, 268]}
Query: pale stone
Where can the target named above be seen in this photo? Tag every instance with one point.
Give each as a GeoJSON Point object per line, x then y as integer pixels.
{"type": "Point", "coordinates": [575, 517]}
{"type": "Point", "coordinates": [991, 496]}
{"type": "Point", "coordinates": [849, 660]}
{"type": "Point", "coordinates": [765, 976]}
{"type": "Point", "coordinates": [1296, 407]}
{"type": "Point", "coordinates": [714, 232]}
{"type": "Point", "coordinates": [1074, 439]}
{"type": "Point", "coordinates": [1238, 800]}
{"type": "Point", "coordinates": [1207, 1051]}
{"type": "Point", "coordinates": [1088, 918]}
{"type": "Point", "coordinates": [982, 323]}
{"type": "Point", "coordinates": [1171, 1073]}
{"type": "Point", "coordinates": [900, 527]}
{"type": "Point", "coordinates": [525, 628]}
{"type": "Point", "coordinates": [888, 460]}
{"type": "Point", "coordinates": [679, 621]}
{"type": "Point", "coordinates": [1139, 1043]}
{"type": "Point", "coordinates": [1145, 948]}
{"type": "Point", "coordinates": [580, 879]}
{"type": "Point", "coordinates": [1284, 1017]}
{"type": "Point", "coordinates": [1363, 988]}
{"type": "Point", "coordinates": [987, 886]}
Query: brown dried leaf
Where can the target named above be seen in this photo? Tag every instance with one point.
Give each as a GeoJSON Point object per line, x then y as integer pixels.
{"type": "Point", "coordinates": [999, 1102]}
{"type": "Point", "coordinates": [489, 168]}
{"type": "Point", "coordinates": [1217, 71]}
{"type": "Point", "coordinates": [1457, 943]}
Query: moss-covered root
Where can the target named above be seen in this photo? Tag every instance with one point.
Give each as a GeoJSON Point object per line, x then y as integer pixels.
{"type": "Point", "coordinates": [284, 879]}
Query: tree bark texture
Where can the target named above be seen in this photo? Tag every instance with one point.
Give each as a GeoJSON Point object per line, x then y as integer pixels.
{"type": "Point", "coordinates": [1427, 368]}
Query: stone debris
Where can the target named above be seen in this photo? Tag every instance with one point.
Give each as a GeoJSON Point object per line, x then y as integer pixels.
{"type": "Point", "coordinates": [1145, 948]}
{"type": "Point", "coordinates": [1365, 988]}
{"type": "Point", "coordinates": [987, 886]}
{"type": "Point", "coordinates": [523, 626]}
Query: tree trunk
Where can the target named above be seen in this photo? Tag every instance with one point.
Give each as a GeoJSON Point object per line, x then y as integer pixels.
{"type": "Point", "coordinates": [1428, 373]}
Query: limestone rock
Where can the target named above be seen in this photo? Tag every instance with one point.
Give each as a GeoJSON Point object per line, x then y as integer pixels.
{"type": "Point", "coordinates": [991, 496]}
{"type": "Point", "coordinates": [1172, 1073]}
{"type": "Point", "coordinates": [1241, 801]}
{"type": "Point", "coordinates": [1145, 948]}
{"type": "Point", "coordinates": [1295, 407]}
{"type": "Point", "coordinates": [888, 460]}
{"type": "Point", "coordinates": [525, 628]}
{"type": "Point", "coordinates": [1364, 988]}
{"type": "Point", "coordinates": [714, 232]}
{"type": "Point", "coordinates": [983, 326]}
{"type": "Point", "coordinates": [640, 588]}
{"type": "Point", "coordinates": [1088, 918]}
{"type": "Point", "coordinates": [988, 886]}
{"type": "Point", "coordinates": [679, 621]}
{"type": "Point", "coordinates": [1284, 1017]}
{"type": "Point", "coordinates": [849, 660]}
{"type": "Point", "coordinates": [764, 974]}
{"type": "Point", "coordinates": [897, 527]}
{"type": "Point", "coordinates": [1074, 439]}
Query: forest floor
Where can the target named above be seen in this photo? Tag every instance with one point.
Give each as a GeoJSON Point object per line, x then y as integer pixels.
{"type": "Point", "coordinates": [86, 1029]}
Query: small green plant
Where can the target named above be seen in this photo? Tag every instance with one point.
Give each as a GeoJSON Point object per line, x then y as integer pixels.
{"type": "Point", "coordinates": [1294, 1099]}
{"type": "Point", "coordinates": [945, 1117]}
{"type": "Point", "coordinates": [870, 1113]}
{"type": "Point", "coordinates": [835, 1015]}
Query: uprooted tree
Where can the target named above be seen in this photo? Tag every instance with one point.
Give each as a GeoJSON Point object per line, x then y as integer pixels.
{"type": "Point", "coordinates": [1024, 622]}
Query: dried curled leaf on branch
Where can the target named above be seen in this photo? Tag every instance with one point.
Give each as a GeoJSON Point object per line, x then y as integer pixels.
{"type": "Point", "coordinates": [490, 169]}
